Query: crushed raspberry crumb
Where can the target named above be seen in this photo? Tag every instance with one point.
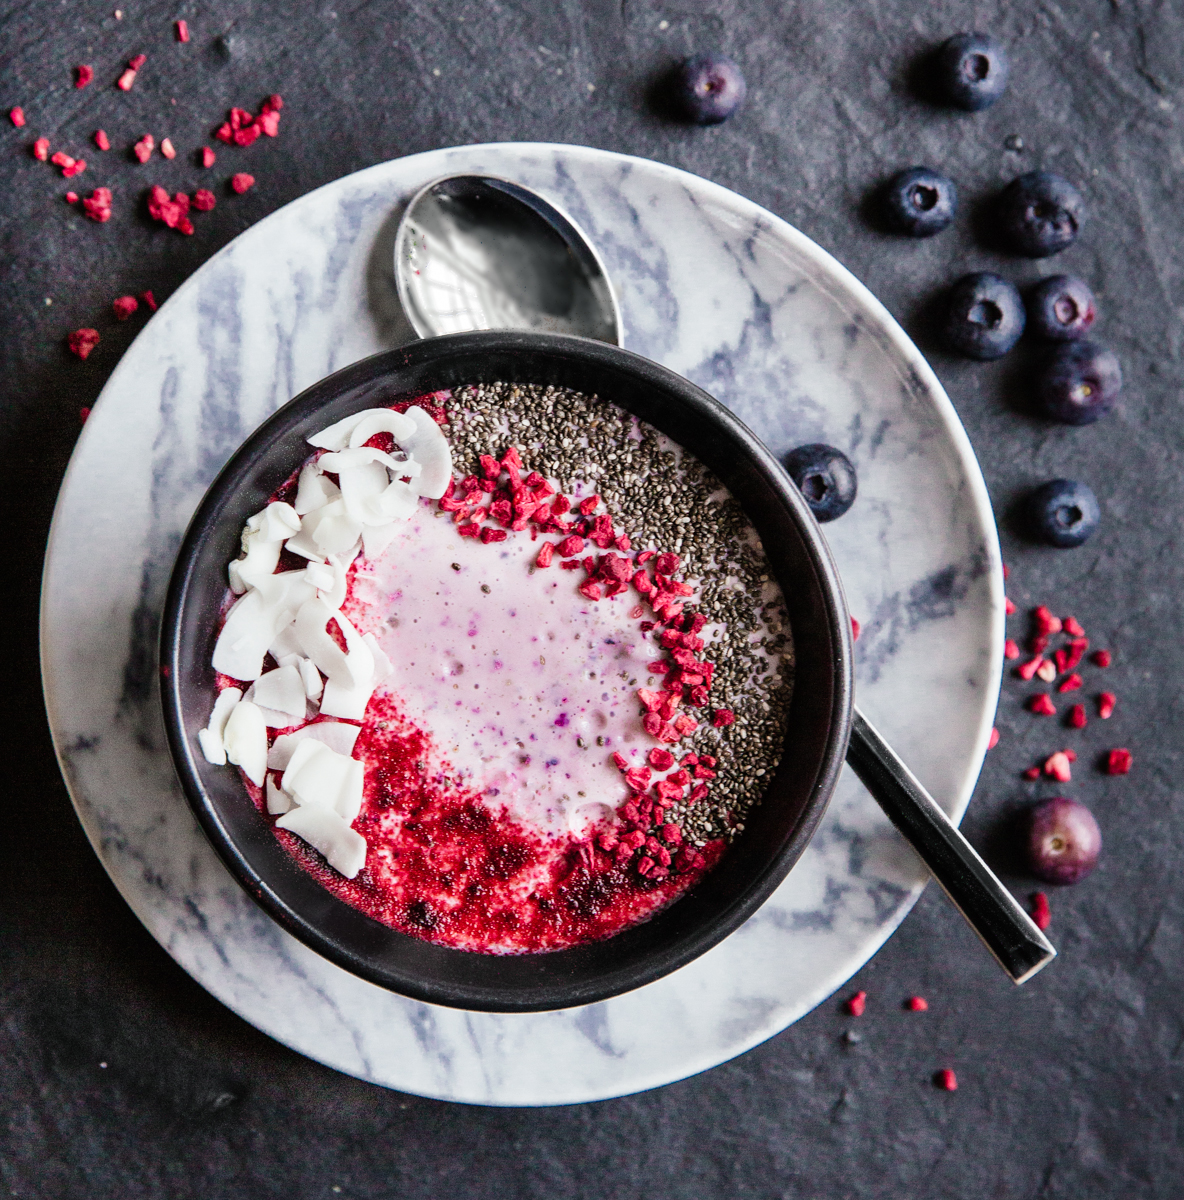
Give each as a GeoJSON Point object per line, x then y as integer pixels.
{"type": "Point", "coordinates": [75, 168]}
{"type": "Point", "coordinates": [172, 212]}
{"type": "Point", "coordinates": [722, 718]}
{"type": "Point", "coordinates": [1044, 620]}
{"type": "Point", "coordinates": [917, 1004]}
{"type": "Point", "coordinates": [1102, 658]}
{"type": "Point", "coordinates": [83, 341]}
{"type": "Point", "coordinates": [1106, 703]}
{"type": "Point", "coordinates": [1010, 649]}
{"type": "Point", "coordinates": [204, 200]}
{"type": "Point", "coordinates": [242, 182]}
{"type": "Point", "coordinates": [102, 140]}
{"type": "Point", "coordinates": [854, 629]}
{"type": "Point", "coordinates": [1070, 683]}
{"type": "Point", "coordinates": [71, 197]}
{"type": "Point", "coordinates": [62, 159]}
{"type": "Point", "coordinates": [83, 75]}
{"type": "Point", "coordinates": [493, 535]}
{"type": "Point", "coordinates": [167, 149]}
{"type": "Point", "coordinates": [856, 1004]}
{"type": "Point", "coordinates": [1032, 773]}
{"type": "Point", "coordinates": [144, 147]}
{"type": "Point", "coordinates": [125, 81]}
{"type": "Point", "coordinates": [1027, 670]}
{"type": "Point", "coordinates": [137, 61]}
{"type": "Point", "coordinates": [1008, 606]}
{"type": "Point", "coordinates": [149, 299]}
{"type": "Point", "coordinates": [660, 760]}
{"type": "Point", "coordinates": [124, 307]}
{"type": "Point", "coordinates": [41, 149]}
{"type": "Point", "coordinates": [946, 1080]}
{"type": "Point", "coordinates": [17, 116]}
{"type": "Point", "coordinates": [1077, 716]}
{"type": "Point", "coordinates": [182, 30]}
{"type": "Point", "coordinates": [993, 740]}
{"type": "Point", "coordinates": [1041, 915]}
{"type": "Point", "coordinates": [1118, 762]}
{"type": "Point", "coordinates": [97, 205]}
{"type": "Point", "coordinates": [546, 552]}
{"type": "Point", "coordinates": [1042, 706]}
{"type": "Point", "coordinates": [83, 413]}
{"type": "Point", "coordinates": [1072, 627]}
{"type": "Point", "coordinates": [208, 157]}
{"type": "Point", "coordinates": [1057, 767]}
{"type": "Point", "coordinates": [1006, 571]}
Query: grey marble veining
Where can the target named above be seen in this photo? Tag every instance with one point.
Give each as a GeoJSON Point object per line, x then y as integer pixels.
{"type": "Point", "coordinates": [712, 286]}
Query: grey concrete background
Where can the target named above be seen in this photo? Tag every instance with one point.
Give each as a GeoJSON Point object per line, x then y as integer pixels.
{"type": "Point", "coordinates": [1070, 1086]}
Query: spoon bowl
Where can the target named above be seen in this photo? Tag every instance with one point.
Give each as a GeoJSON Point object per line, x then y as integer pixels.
{"type": "Point", "coordinates": [474, 252]}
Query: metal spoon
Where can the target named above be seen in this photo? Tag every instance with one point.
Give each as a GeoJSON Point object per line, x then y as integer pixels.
{"type": "Point", "coordinates": [476, 252]}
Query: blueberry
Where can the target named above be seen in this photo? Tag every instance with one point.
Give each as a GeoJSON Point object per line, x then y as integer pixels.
{"type": "Point", "coordinates": [919, 202]}
{"type": "Point", "coordinates": [1078, 383]}
{"type": "Point", "coordinates": [984, 316]}
{"type": "Point", "coordinates": [708, 88]}
{"type": "Point", "coordinates": [825, 477]}
{"type": "Point", "coordinates": [1040, 214]}
{"type": "Point", "coordinates": [1063, 841]}
{"type": "Point", "coordinates": [971, 70]}
{"type": "Point", "coordinates": [1061, 308]}
{"type": "Point", "coordinates": [1063, 512]}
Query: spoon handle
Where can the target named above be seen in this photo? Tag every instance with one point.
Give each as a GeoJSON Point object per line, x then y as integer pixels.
{"type": "Point", "coordinates": [991, 910]}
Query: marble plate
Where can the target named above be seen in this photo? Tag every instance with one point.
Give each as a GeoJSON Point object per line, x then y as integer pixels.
{"type": "Point", "coordinates": [714, 287]}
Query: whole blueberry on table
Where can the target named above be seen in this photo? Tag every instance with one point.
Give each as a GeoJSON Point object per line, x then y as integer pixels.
{"type": "Point", "coordinates": [972, 70]}
{"type": "Point", "coordinates": [1061, 308]}
{"type": "Point", "coordinates": [825, 477]}
{"type": "Point", "coordinates": [1063, 841]}
{"type": "Point", "coordinates": [708, 88]}
{"type": "Point", "coordinates": [1063, 512]}
{"type": "Point", "coordinates": [1078, 383]}
{"type": "Point", "coordinates": [984, 316]}
{"type": "Point", "coordinates": [919, 202]}
{"type": "Point", "coordinates": [1040, 214]}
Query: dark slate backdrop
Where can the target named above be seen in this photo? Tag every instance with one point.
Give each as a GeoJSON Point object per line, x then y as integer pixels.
{"type": "Point", "coordinates": [1070, 1086]}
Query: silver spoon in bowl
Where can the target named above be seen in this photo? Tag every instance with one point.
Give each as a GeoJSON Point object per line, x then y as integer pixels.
{"type": "Point", "coordinates": [476, 252]}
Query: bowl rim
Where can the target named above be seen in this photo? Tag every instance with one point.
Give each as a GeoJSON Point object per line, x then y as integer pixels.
{"type": "Point", "coordinates": [370, 371]}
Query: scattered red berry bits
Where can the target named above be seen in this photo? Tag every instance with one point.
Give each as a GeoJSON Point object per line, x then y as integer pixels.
{"type": "Point", "coordinates": [1029, 669]}
{"type": "Point", "coordinates": [82, 342]}
{"type": "Point", "coordinates": [83, 75]}
{"type": "Point", "coordinates": [1077, 716]}
{"type": "Point", "coordinates": [1057, 767]}
{"type": "Point", "coordinates": [97, 206]}
{"type": "Point", "coordinates": [144, 147]}
{"type": "Point", "coordinates": [1032, 774]}
{"type": "Point", "coordinates": [546, 550]}
{"type": "Point", "coordinates": [1011, 649]}
{"type": "Point", "coordinates": [1008, 606]}
{"type": "Point", "coordinates": [1044, 621]}
{"type": "Point", "coordinates": [134, 64]}
{"type": "Point", "coordinates": [242, 182]}
{"type": "Point", "coordinates": [102, 140]}
{"type": "Point", "coordinates": [182, 30]}
{"type": "Point", "coordinates": [993, 740]}
{"type": "Point", "coordinates": [83, 413]}
{"type": "Point", "coordinates": [1072, 626]}
{"type": "Point", "coordinates": [917, 1004]}
{"type": "Point", "coordinates": [125, 81]}
{"type": "Point", "coordinates": [1106, 703]}
{"type": "Point", "coordinates": [17, 116]}
{"type": "Point", "coordinates": [1047, 670]}
{"type": "Point", "coordinates": [71, 197]}
{"type": "Point", "coordinates": [723, 717]}
{"type": "Point", "coordinates": [149, 299]}
{"type": "Point", "coordinates": [946, 1080]}
{"type": "Point", "coordinates": [172, 212]}
{"type": "Point", "coordinates": [124, 307]}
{"type": "Point", "coordinates": [41, 149]}
{"type": "Point", "coordinates": [208, 157]}
{"type": "Point", "coordinates": [1102, 658]}
{"type": "Point", "coordinates": [856, 1004]}
{"type": "Point", "coordinates": [1118, 762]}
{"type": "Point", "coordinates": [854, 629]}
{"type": "Point", "coordinates": [1042, 706]}
{"type": "Point", "coordinates": [1040, 912]}
{"type": "Point", "coordinates": [1070, 683]}
{"type": "Point", "coordinates": [167, 149]}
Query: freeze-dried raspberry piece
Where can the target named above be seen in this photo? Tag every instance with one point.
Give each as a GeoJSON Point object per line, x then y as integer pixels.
{"type": "Point", "coordinates": [149, 299]}
{"type": "Point", "coordinates": [125, 81]}
{"type": "Point", "coordinates": [75, 168]}
{"type": "Point", "coordinates": [1118, 762]}
{"type": "Point", "coordinates": [224, 133]}
{"type": "Point", "coordinates": [273, 103]}
{"type": "Point", "coordinates": [268, 123]}
{"type": "Point", "coordinates": [723, 717]}
{"type": "Point", "coordinates": [203, 200]}
{"type": "Point", "coordinates": [62, 159]}
{"type": "Point", "coordinates": [946, 1080]}
{"type": "Point", "coordinates": [857, 1004]}
{"type": "Point", "coordinates": [488, 534]}
{"type": "Point", "coordinates": [1042, 706]}
{"type": "Point", "coordinates": [71, 197]}
{"type": "Point", "coordinates": [144, 147]}
{"type": "Point", "coordinates": [167, 149]}
{"type": "Point", "coordinates": [169, 211]}
{"type": "Point", "coordinates": [83, 341]}
{"type": "Point", "coordinates": [208, 157]}
{"type": "Point", "coordinates": [17, 116]}
{"type": "Point", "coordinates": [590, 588]}
{"type": "Point", "coordinates": [41, 149]}
{"type": "Point", "coordinates": [588, 505]}
{"type": "Point", "coordinates": [246, 135]}
{"type": "Point", "coordinates": [102, 140]}
{"type": "Point", "coordinates": [182, 30]}
{"type": "Point", "coordinates": [1040, 910]}
{"type": "Point", "coordinates": [97, 206]}
{"type": "Point", "coordinates": [242, 182]}
{"type": "Point", "coordinates": [83, 75]}
{"type": "Point", "coordinates": [137, 61]}
{"type": "Point", "coordinates": [124, 307]}
{"type": "Point", "coordinates": [667, 563]}
{"type": "Point", "coordinates": [546, 551]}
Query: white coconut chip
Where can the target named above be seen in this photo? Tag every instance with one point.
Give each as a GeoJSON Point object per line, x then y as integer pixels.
{"type": "Point", "coordinates": [349, 703]}
{"type": "Point", "coordinates": [382, 664]}
{"type": "Point", "coordinates": [337, 735]}
{"type": "Point", "coordinates": [381, 420]}
{"type": "Point", "coordinates": [337, 437]}
{"type": "Point", "coordinates": [311, 678]}
{"type": "Point", "coordinates": [313, 490]}
{"type": "Point", "coordinates": [346, 667]}
{"type": "Point", "coordinates": [282, 689]}
{"type": "Point", "coordinates": [344, 848]}
{"type": "Point", "coordinates": [245, 740]}
{"type": "Point", "coordinates": [210, 738]}
{"type": "Point", "coordinates": [429, 447]}
{"type": "Point", "coordinates": [331, 530]}
{"type": "Point", "coordinates": [320, 777]}
{"type": "Point", "coordinates": [278, 801]}
{"type": "Point", "coordinates": [285, 645]}
{"type": "Point", "coordinates": [254, 622]}
{"type": "Point", "coordinates": [376, 539]}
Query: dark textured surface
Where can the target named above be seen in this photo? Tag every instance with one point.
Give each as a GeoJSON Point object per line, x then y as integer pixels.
{"type": "Point", "coordinates": [1070, 1086]}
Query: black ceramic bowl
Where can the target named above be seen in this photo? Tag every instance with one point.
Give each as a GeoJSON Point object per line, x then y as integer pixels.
{"type": "Point", "coordinates": [777, 830]}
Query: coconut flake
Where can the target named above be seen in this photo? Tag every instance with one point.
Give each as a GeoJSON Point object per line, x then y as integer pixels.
{"type": "Point", "coordinates": [342, 700]}
{"type": "Point", "coordinates": [313, 490]}
{"type": "Point", "coordinates": [245, 740]}
{"type": "Point", "coordinates": [337, 735]}
{"type": "Point", "coordinates": [348, 668]}
{"type": "Point", "coordinates": [429, 447]}
{"type": "Point", "coordinates": [331, 529]}
{"type": "Point", "coordinates": [319, 777]}
{"type": "Point", "coordinates": [344, 848]}
{"type": "Point", "coordinates": [278, 801]}
{"type": "Point", "coordinates": [377, 538]}
{"type": "Point", "coordinates": [311, 678]}
{"type": "Point", "coordinates": [337, 437]}
{"type": "Point", "coordinates": [381, 420]}
{"type": "Point", "coordinates": [254, 622]}
{"type": "Point", "coordinates": [382, 664]}
{"type": "Point", "coordinates": [210, 738]}
{"type": "Point", "coordinates": [282, 689]}
{"type": "Point", "coordinates": [285, 645]}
